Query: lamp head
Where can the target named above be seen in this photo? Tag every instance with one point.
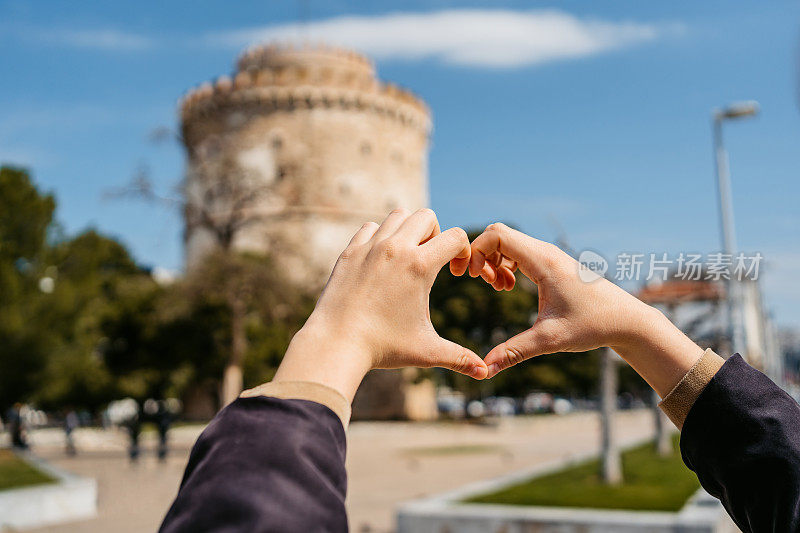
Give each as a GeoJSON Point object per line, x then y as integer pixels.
{"type": "Point", "coordinates": [737, 110]}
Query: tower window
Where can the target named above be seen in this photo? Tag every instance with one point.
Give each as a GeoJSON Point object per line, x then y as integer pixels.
{"type": "Point", "coordinates": [366, 148]}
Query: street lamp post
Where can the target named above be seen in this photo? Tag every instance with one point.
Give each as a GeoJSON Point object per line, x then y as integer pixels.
{"type": "Point", "coordinates": [734, 111]}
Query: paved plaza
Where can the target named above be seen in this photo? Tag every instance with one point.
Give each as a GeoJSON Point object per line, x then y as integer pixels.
{"type": "Point", "coordinates": [387, 463]}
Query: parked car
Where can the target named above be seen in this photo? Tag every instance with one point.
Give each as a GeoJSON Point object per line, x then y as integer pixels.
{"type": "Point", "coordinates": [501, 406]}
{"type": "Point", "coordinates": [450, 403]}
{"type": "Point", "coordinates": [537, 402]}
{"type": "Point", "coordinates": [476, 409]}
{"type": "Point", "coordinates": [562, 406]}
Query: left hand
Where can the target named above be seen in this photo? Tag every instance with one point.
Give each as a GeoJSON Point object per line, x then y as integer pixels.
{"type": "Point", "coordinates": [577, 314]}
{"type": "Point", "coordinates": [373, 312]}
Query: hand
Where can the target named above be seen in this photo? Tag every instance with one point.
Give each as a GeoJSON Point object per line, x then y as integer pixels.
{"type": "Point", "coordinates": [575, 315]}
{"type": "Point", "coordinates": [373, 312]}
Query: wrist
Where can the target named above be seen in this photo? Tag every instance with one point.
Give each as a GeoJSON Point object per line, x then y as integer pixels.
{"type": "Point", "coordinates": [320, 353]}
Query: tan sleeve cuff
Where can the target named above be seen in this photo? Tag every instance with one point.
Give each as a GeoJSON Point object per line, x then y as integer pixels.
{"type": "Point", "coordinates": [304, 390]}
{"type": "Point", "coordinates": [681, 398]}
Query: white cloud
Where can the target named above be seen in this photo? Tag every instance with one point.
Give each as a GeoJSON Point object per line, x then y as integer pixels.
{"type": "Point", "coordinates": [97, 39]}
{"type": "Point", "coordinates": [469, 37]}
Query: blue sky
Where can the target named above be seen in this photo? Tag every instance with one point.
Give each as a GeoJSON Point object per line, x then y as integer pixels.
{"type": "Point", "coordinates": [591, 116]}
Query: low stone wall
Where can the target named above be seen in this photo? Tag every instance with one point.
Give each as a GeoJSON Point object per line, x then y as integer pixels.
{"type": "Point", "coordinates": [446, 514]}
{"type": "Point", "coordinates": [70, 498]}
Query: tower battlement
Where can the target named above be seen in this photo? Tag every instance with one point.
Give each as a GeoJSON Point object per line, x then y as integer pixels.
{"type": "Point", "coordinates": [307, 77]}
{"type": "Point", "coordinates": [315, 56]}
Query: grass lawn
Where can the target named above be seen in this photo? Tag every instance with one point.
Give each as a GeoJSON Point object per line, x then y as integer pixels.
{"type": "Point", "coordinates": [651, 483]}
{"type": "Point", "coordinates": [456, 449]}
{"type": "Point", "coordinates": [16, 473]}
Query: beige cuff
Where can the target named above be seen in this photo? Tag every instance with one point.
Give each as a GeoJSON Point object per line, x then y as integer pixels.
{"type": "Point", "coordinates": [304, 390]}
{"type": "Point", "coordinates": [681, 398]}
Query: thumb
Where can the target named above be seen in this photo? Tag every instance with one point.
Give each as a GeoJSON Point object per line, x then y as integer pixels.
{"type": "Point", "coordinates": [446, 354]}
{"type": "Point", "coordinates": [530, 343]}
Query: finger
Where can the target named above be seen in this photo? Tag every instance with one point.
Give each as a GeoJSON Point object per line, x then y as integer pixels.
{"type": "Point", "coordinates": [500, 277]}
{"type": "Point", "coordinates": [447, 354]}
{"type": "Point", "coordinates": [364, 234]}
{"type": "Point", "coordinates": [490, 263]}
{"type": "Point", "coordinates": [489, 273]}
{"type": "Point", "coordinates": [458, 266]}
{"type": "Point", "coordinates": [390, 224]}
{"type": "Point", "coordinates": [477, 263]}
{"type": "Point", "coordinates": [499, 282]}
{"type": "Point", "coordinates": [495, 258]}
{"type": "Point", "coordinates": [419, 227]}
{"type": "Point", "coordinates": [509, 280]}
{"type": "Point", "coordinates": [510, 264]}
{"type": "Point", "coordinates": [448, 245]}
{"type": "Point", "coordinates": [534, 256]}
{"type": "Point", "coordinates": [529, 343]}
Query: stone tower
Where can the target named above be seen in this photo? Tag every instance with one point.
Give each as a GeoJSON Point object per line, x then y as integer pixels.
{"type": "Point", "coordinates": [290, 157]}
{"type": "Point", "coordinates": [315, 145]}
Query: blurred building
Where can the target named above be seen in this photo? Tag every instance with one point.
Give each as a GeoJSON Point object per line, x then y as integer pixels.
{"type": "Point", "coordinates": [697, 308]}
{"type": "Point", "coordinates": [290, 156]}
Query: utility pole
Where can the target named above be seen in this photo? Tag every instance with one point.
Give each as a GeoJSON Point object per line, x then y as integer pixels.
{"type": "Point", "coordinates": [611, 468]}
{"type": "Point", "coordinates": [736, 332]}
{"type": "Point", "coordinates": [610, 458]}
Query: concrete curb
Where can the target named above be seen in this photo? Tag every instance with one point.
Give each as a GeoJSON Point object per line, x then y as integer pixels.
{"type": "Point", "coordinates": [70, 498]}
{"type": "Point", "coordinates": [445, 512]}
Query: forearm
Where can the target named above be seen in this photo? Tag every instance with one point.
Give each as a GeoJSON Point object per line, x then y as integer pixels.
{"type": "Point", "coordinates": [318, 354]}
{"type": "Point", "coordinates": [654, 347]}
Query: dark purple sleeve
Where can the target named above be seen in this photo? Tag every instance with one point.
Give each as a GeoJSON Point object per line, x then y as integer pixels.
{"type": "Point", "coordinates": [742, 438]}
{"type": "Point", "coordinates": [265, 464]}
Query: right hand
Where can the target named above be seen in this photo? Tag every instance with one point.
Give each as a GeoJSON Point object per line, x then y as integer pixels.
{"type": "Point", "coordinates": [373, 313]}
{"type": "Point", "coordinates": [574, 316]}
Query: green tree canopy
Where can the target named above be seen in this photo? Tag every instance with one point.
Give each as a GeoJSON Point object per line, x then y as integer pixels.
{"type": "Point", "coordinates": [25, 216]}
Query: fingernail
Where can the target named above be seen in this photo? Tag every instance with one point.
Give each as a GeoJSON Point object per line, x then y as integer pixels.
{"type": "Point", "coordinates": [494, 368]}
{"type": "Point", "coordinates": [478, 372]}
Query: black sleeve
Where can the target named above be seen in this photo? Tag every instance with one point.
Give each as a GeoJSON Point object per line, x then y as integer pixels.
{"type": "Point", "coordinates": [265, 464]}
{"type": "Point", "coordinates": [742, 438]}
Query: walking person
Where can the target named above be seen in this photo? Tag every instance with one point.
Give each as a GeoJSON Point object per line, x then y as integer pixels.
{"type": "Point", "coordinates": [163, 419]}
{"type": "Point", "coordinates": [16, 427]}
{"type": "Point", "coordinates": [133, 427]}
{"type": "Point", "coordinates": [71, 422]}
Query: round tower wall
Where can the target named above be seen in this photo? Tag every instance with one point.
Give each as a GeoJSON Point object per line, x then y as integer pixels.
{"type": "Point", "coordinates": [319, 164]}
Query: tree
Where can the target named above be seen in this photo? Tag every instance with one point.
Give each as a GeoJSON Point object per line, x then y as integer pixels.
{"type": "Point", "coordinates": [92, 275]}
{"type": "Point", "coordinates": [55, 295]}
{"type": "Point", "coordinates": [219, 196]}
{"type": "Point", "coordinates": [159, 344]}
{"type": "Point", "coordinates": [81, 323]}
{"type": "Point", "coordinates": [26, 215]}
{"type": "Point", "coordinates": [244, 284]}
